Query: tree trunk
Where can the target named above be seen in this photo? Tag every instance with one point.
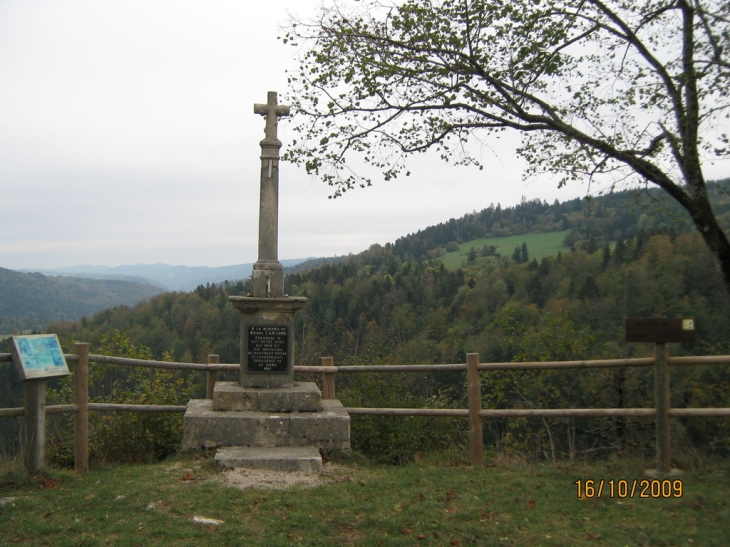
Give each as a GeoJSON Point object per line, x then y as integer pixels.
{"type": "Point", "coordinates": [710, 230]}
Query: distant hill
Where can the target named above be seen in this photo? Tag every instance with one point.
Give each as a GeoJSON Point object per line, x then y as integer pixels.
{"type": "Point", "coordinates": [32, 300]}
{"type": "Point", "coordinates": [166, 277]}
{"type": "Point", "coordinates": [595, 221]}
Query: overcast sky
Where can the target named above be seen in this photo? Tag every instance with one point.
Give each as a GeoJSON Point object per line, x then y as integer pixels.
{"type": "Point", "coordinates": [127, 136]}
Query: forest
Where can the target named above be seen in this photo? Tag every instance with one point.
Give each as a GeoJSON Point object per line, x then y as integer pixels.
{"type": "Point", "coordinates": [392, 305]}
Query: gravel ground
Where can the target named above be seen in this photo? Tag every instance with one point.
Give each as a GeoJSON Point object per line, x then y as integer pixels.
{"type": "Point", "coordinates": [281, 480]}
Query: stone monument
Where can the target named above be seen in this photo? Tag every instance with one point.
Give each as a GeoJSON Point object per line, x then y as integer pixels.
{"type": "Point", "coordinates": [267, 420]}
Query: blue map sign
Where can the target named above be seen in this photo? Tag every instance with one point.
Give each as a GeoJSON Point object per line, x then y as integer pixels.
{"type": "Point", "coordinates": [38, 356]}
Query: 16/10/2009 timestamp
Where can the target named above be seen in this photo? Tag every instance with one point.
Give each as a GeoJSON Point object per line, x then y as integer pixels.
{"type": "Point", "coordinates": [644, 488]}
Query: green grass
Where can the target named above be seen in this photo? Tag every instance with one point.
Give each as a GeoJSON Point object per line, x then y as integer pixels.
{"type": "Point", "coordinates": [418, 504]}
{"type": "Point", "coordinates": [538, 246]}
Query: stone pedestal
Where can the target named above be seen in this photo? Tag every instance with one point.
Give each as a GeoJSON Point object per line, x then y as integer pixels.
{"type": "Point", "coordinates": [328, 429]}
{"type": "Point", "coordinates": [267, 318]}
{"type": "Point", "coordinates": [301, 397]}
{"type": "Point", "coordinates": [280, 429]}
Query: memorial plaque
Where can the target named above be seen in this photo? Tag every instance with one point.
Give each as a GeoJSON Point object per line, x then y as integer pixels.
{"type": "Point", "coordinates": [267, 348]}
{"type": "Point", "coordinates": [660, 331]}
{"type": "Point", "coordinates": [38, 356]}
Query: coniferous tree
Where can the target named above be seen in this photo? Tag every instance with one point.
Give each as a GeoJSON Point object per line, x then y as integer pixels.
{"type": "Point", "coordinates": [606, 258]}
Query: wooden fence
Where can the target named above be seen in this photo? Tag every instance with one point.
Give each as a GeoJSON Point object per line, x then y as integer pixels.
{"type": "Point", "coordinates": [475, 413]}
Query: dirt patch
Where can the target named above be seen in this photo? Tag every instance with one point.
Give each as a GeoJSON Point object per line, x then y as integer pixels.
{"type": "Point", "coordinates": [281, 480]}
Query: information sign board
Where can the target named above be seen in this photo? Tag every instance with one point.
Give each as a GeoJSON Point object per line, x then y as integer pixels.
{"type": "Point", "coordinates": [267, 348]}
{"type": "Point", "coordinates": [660, 331]}
{"type": "Point", "coordinates": [38, 356]}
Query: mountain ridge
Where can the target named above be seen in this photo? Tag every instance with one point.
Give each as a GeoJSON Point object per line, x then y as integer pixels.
{"type": "Point", "coordinates": [32, 300]}
{"type": "Point", "coordinates": [166, 276]}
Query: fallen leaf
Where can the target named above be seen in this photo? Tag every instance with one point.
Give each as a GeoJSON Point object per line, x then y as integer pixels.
{"type": "Point", "coordinates": [187, 477]}
{"type": "Point", "coordinates": [421, 536]}
{"type": "Point", "coordinates": [421, 497]}
{"type": "Point", "coordinates": [49, 483]}
{"type": "Point", "coordinates": [532, 503]}
{"type": "Point", "coordinates": [407, 531]}
{"type": "Point", "coordinates": [455, 543]}
{"type": "Point", "coordinates": [90, 496]}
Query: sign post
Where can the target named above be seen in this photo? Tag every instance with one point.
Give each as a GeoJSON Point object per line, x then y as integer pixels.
{"type": "Point", "coordinates": [37, 358]}
{"type": "Point", "coordinates": [661, 332]}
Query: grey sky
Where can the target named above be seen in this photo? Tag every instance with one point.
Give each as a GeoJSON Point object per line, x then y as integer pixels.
{"type": "Point", "coordinates": [127, 135]}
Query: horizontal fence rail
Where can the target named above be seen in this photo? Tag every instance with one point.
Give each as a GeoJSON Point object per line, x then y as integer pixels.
{"type": "Point", "coordinates": [473, 367]}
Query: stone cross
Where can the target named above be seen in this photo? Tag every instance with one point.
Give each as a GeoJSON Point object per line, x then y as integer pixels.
{"type": "Point", "coordinates": [268, 276]}
{"type": "Point", "coordinates": [272, 111]}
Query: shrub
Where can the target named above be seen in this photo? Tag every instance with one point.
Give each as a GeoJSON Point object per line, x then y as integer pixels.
{"type": "Point", "coordinates": [124, 436]}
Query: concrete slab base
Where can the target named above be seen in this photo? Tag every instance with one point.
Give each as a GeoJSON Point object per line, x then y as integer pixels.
{"type": "Point", "coordinates": [301, 397]}
{"type": "Point", "coordinates": [204, 427]}
{"type": "Point", "coordinates": [296, 458]}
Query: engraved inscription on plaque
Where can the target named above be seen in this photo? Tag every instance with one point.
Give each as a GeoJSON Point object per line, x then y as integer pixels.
{"type": "Point", "coordinates": [268, 348]}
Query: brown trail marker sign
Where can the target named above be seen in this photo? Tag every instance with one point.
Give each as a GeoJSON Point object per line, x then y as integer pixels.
{"type": "Point", "coordinates": [661, 332]}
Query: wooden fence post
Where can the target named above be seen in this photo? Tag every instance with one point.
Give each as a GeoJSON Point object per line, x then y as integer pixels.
{"type": "Point", "coordinates": [328, 382]}
{"type": "Point", "coordinates": [81, 399]}
{"type": "Point", "coordinates": [476, 446]}
{"type": "Point", "coordinates": [213, 359]}
{"type": "Point", "coordinates": [661, 395]}
{"type": "Point", "coordinates": [35, 425]}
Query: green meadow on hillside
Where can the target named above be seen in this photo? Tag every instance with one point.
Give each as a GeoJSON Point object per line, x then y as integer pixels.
{"type": "Point", "coordinates": [538, 245]}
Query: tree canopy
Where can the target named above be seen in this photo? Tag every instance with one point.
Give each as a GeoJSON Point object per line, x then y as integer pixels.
{"type": "Point", "coordinates": [616, 90]}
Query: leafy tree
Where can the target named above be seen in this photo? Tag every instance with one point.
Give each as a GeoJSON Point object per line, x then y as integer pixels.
{"type": "Point", "coordinates": [628, 92]}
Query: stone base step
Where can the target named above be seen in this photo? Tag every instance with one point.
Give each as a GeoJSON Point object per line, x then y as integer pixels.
{"type": "Point", "coordinates": [204, 427]}
{"type": "Point", "coordinates": [299, 397]}
{"type": "Point", "coordinates": [291, 458]}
